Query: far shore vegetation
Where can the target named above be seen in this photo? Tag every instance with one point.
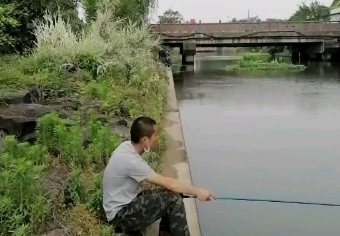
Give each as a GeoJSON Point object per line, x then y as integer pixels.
{"type": "Point", "coordinates": [256, 62]}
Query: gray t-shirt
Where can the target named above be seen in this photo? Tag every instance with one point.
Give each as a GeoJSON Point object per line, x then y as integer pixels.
{"type": "Point", "coordinates": [122, 177]}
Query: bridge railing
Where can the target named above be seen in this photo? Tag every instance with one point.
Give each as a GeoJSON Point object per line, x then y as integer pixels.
{"type": "Point", "coordinates": [244, 27]}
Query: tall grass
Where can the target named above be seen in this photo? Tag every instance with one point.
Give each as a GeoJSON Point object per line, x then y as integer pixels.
{"type": "Point", "coordinates": [119, 62]}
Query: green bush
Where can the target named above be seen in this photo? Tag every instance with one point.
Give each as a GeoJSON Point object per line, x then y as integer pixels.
{"type": "Point", "coordinates": [103, 142]}
{"type": "Point", "coordinates": [67, 141]}
{"type": "Point", "coordinates": [8, 25]}
{"type": "Point", "coordinates": [110, 61]}
{"type": "Point", "coordinates": [75, 191]}
{"type": "Point", "coordinates": [23, 203]}
{"type": "Point", "coordinates": [95, 202]}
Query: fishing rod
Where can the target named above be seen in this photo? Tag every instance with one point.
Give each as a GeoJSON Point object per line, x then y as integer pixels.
{"type": "Point", "coordinates": [270, 200]}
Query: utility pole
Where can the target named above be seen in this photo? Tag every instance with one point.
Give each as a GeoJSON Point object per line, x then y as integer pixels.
{"type": "Point", "coordinates": [248, 16]}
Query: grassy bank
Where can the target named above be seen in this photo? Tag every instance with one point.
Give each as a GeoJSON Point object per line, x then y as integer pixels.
{"type": "Point", "coordinates": [90, 81]}
{"type": "Point", "coordinates": [259, 62]}
{"type": "Point", "coordinates": [263, 56]}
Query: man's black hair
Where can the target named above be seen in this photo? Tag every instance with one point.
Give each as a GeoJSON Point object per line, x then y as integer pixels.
{"type": "Point", "coordinates": [141, 127]}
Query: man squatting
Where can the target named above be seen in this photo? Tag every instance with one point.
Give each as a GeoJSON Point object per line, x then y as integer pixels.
{"type": "Point", "coordinates": [129, 211]}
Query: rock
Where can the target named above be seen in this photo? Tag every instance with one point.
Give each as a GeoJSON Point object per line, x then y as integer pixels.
{"type": "Point", "coordinates": [124, 132]}
{"type": "Point", "coordinates": [121, 126]}
{"type": "Point", "coordinates": [34, 95]}
{"type": "Point", "coordinates": [123, 110]}
{"type": "Point", "coordinates": [21, 119]}
{"type": "Point", "coordinates": [122, 122]}
{"type": "Point", "coordinates": [93, 104]}
{"type": "Point", "coordinates": [66, 103]}
{"type": "Point", "coordinates": [54, 93]}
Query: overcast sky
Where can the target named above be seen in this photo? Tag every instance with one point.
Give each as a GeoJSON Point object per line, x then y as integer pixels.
{"type": "Point", "coordinates": [225, 10]}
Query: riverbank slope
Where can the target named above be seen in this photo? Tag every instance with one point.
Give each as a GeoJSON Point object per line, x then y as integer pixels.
{"type": "Point", "coordinates": [175, 161]}
{"type": "Point", "coordinates": [63, 109]}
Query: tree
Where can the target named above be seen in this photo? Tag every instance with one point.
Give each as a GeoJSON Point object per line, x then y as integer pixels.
{"type": "Point", "coordinates": [8, 24]}
{"type": "Point", "coordinates": [136, 11]}
{"type": "Point", "coordinates": [170, 16]}
{"type": "Point", "coordinates": [27, 12]}
{"type": "Point", "coordinates": [90, 7]}
{"type": "Point", "coordinates": [314, 12]}
{"type": "Point", "coordinates": [335, 4]}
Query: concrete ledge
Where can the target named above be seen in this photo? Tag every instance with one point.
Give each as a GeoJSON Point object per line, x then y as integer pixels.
{"type": "Point", "coordinates": [175, 162]}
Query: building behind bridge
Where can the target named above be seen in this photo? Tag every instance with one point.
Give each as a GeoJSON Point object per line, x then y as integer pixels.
{"type": "Point", "coordinates": [335, 10]}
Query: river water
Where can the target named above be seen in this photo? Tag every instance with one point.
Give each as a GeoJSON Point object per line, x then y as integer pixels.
{"type": "Point", "coordinates": [264, 135]}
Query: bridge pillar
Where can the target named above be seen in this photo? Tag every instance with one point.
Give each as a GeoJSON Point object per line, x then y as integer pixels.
{"type": "Point", "coordinates": [336, 56]}
{"type": "Point", "coordinates": [323, 51]}
{"type": "Point", "coordinates": [188, 51]}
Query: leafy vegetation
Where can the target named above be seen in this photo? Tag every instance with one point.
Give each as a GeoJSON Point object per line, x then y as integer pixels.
{"type": "Point", "coordinates": [25, 14]}
{"type": "Point", "coordinates": [335, 4]}
{"type": "Point", "coordinates": [315, 11]}
{"type": "Point", "coordinates": [8, 24]}
{"type": "Point", "coordinates": [110, 69]}
{"type": "Point", "coordinates": [106, 63]}
{"type": "Point", "coordinates": [24, 202]}
{"type": "Point", "coordinates": [24, 206]}
{"type": "Point", "coordinates": [136, 11]}
{"type": "Point", "coordinates": [253, 62]}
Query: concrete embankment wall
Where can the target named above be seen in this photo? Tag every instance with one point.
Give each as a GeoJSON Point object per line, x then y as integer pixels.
{"type": "Point", "coordinates": [175, 161]}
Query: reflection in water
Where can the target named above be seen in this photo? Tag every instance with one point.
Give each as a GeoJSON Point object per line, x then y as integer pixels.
{"type": "Point", "coordinates": [264, 135]}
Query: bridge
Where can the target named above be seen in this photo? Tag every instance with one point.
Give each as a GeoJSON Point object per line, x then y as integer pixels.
{"type": "Point", "coordinates": [315, 40]}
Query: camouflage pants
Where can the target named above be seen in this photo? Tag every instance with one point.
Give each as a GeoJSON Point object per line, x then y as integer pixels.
{"type": "Point", "coordinates": [150, 206]}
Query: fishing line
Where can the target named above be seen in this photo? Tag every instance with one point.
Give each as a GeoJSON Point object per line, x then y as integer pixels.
{"type": "Point", "coordinates": [272, 201]}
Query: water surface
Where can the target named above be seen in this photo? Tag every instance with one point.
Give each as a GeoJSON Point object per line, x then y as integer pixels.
{"type": "Point", "coordinates": [264, 135]}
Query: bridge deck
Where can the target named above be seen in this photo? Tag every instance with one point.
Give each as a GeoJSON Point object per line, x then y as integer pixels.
{"type": "Point", "coordinates": [242, 42]}
{"type": "Point", "coordinates": [278, 29]}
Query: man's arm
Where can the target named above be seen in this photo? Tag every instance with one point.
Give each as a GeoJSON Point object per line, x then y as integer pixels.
{"type": "Point", "coordinates": [173, 184]}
